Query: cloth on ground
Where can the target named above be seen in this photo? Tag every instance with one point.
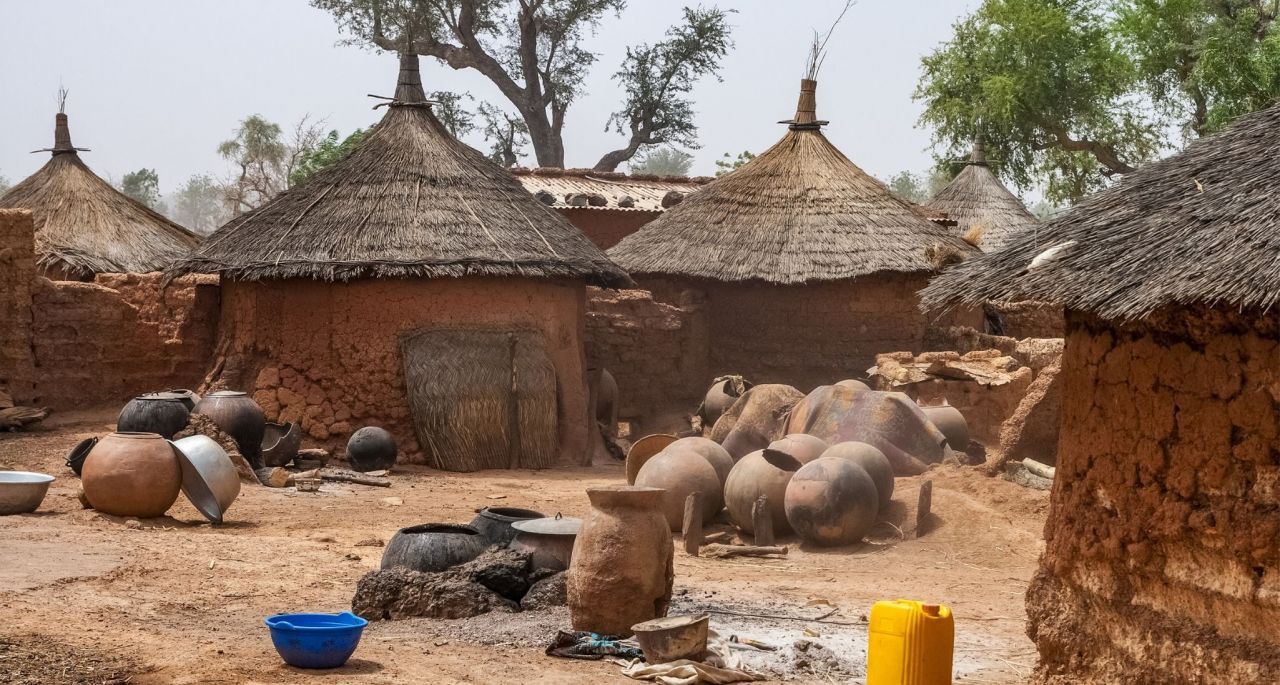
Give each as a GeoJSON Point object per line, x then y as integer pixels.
{"type": "Point", "coordinates": [588, 645]}
{"type": "Point", "coordinates": [720, 665]}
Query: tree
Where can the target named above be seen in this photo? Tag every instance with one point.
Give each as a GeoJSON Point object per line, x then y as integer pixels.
{"type": "Point", "coordinates": [200, 204]}
{"type": "Point", "coordinates": [5, 185]}
{"type": "Point", "coordinates": [1070, 93]}
{"type": "Point", "coordinates": [507, 135]}
{"type": "Point", "coordinates": [264, 161]}
{"type": "Point", "coordinates": [531, 50]}
{"type": "Point", "coordinates": [142, 185]}
{"type": "Point", "coordinates": [324, 154]}
{"type": "Point", "coordinates": [728, 163]}
{"type": "Point", "coordinates": [918, 189]}
{"type": "Point", "coordinates": [664, 161]}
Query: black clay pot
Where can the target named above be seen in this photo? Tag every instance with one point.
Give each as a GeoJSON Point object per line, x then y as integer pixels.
{"type": "Point", "coordinates": [433, 547]}
{"type": "Point", "coordinates": [371, 449]}
{"type": "Point", "coordinates": [237, 415]}
{"type": "Point", "coordinates": [161, 412]}
{"type": "Point", "coordinates": [495, 522]}
{"type": "Point", "coordinates": [75, 459]}
{"type": "Point", "coordinates": [188, 397]}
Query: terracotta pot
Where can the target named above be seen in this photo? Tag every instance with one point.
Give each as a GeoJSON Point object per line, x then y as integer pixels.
{"type": "Point", "coordinates": [708, 449]}
{"type": "Point", "coordinates": [371, 449]}
{"type": "Point", "coordinates": [433, 547]}
{"type": "Point", "coordinates": [681, 473]}
{"type": "Point", "coordinates": [238, 416]}
{"type": "Point", "coordinates": [719, 398]}
{"type": "Point", "coordinates": [495, 522]}
{"type": "Point", "coordinates": [642, 450]}
{"type": "Point", "coordinates": [872, 460]}
{"type": "Point", "coordinates": [132, 474]}
{"type": "Point", "coordinates": [763, 472]}
{"type": "Point", "coordinates": [160, 412]}
{"type": "Point", "coordinates": [803, 448]}
{"type": "Point", "coordinates": [831, 501]}
{"type": "Point", "coordinates": [951, 422]}
{"type": "Point", "coordinates": [622, 570]}
{"type": "Point", "coordinates": [549, 539]}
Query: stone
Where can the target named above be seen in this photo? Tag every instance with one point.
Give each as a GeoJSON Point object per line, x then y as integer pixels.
{"type": "Point", "coordinates": [546, 593]}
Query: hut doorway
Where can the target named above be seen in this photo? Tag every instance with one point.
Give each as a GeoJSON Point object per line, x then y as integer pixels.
{"type": "Point", "coordinates": [482, 399]}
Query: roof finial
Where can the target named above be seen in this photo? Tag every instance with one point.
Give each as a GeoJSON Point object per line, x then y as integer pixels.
{"type": "Point", "coordinates": [807, 108]}
{"type": "Point", "coordinates": [61, 132]}
{"type": "Point", "coordinates": [979, 155]}
{"type": "Point", "coordinates": [409, 85]}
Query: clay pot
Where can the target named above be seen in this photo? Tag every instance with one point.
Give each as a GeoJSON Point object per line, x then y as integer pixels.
{"type": "Point", "coordinates": [188, 397]}
{"type": "Point", "coordinates": [853, 384]}
{"type": "Point", "coordinates": [951, 422]}
{"type": "Point", "coordinates": [433, 547]}
{"type": "Point", "coordinates": [681, 473]}
{"type": "Point", "coordinates": [872, 460]}
{"type": "Point", "coordinates": [719, 398]}
{"type": "Point", "coordinates": [622, 569]}
{"type": "Point", "coordinates": [280, 443]}
{"type": "Point", "coordinates": [371, 449]}
{"type": "Point", "coordinates": [495, 522]}
{"type": "Point", "coordinates": [831, 501]}
{"type": "Point", "coordinates": [237, 415]}
{"type": "Point", "coordinates": [132, 474]}
{"type": "Point", "coordinates": [803, 448]}
{"type": "Point", "coordinates": [549, 540]}
{"type": "Point", "coordinates": [708, 449]}
{"type": "Point", "coordinates": [643, 450]}
{"type": "Point", "coordinates": [763, 472]}
{"type": "Point", "coordinates": [160, 412]}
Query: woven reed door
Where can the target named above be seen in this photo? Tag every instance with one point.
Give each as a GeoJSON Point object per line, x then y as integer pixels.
{"type": "Point", "coordinates": [482, 399]}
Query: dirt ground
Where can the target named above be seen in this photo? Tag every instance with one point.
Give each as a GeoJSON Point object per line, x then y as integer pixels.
{"type": "Point", "coordinates": [89, 598]}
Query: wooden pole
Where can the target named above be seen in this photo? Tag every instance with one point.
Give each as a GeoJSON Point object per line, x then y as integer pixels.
{"type": "Point", "coordinates": [762, 522]}
{"type": "Point", "coordinates": [693, 523]}
{"type": "Point", "coordinates": [923, 506]}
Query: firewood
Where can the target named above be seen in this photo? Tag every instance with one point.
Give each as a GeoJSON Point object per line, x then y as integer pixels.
{"type": "Point", "coordinates": [348, 476]}
{"type": "Point", "coordinates": [724, 551]}
{"type": "Point", "coordinates": [273, 477]}
{"type": "Point", "coordinates": [1038, 469]}
{"type": "Point", "coordinates": [693, 523]}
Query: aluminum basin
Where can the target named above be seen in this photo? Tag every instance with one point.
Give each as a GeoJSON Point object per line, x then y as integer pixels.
{"type": "Point", "coordinates": [21, 492]}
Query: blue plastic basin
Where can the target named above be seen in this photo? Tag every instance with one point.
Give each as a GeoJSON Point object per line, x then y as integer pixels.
{"type": "Point", "coordinates": [316, 640]}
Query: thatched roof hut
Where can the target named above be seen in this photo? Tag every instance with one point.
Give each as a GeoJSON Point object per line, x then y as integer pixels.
{"type": "Point", "coordinates": [410, 201]}
{"type": "Point", "coordinates": [800, 212]}
{"type": "Point", "coordinates": [981, 206]}
{"type": "Point", "coordinates": [84, 226]}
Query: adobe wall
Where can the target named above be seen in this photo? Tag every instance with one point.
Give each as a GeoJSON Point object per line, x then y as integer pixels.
{"type": "Point", "coordinates": [95, 344]}
{"type": "Point", "coordinates": [17, 267]}
{"type": "Point", "coordinates": [1028, 319]}
{"type": "Point", "coordinates": [1161, 561]}
{"type": "Point", "coordinates": [326, 354]}
{"type": "Point", "coordinates": [607, 228]}
{"type": "Point", "coordinates": [656, 351]}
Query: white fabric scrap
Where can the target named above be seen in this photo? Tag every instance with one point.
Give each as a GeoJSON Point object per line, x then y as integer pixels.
{"type": "Point", "coordinates": [719, 667]}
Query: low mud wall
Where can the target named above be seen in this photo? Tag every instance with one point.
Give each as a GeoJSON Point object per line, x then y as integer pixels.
{"type": "Point", "coordinates": [17, 266]}
{"type": "Point", "coordinates": [1027, 319]}
{"type": "Point", "coordinates": [1161, 562]}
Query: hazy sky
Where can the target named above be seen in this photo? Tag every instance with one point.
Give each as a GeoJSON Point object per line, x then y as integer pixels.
{"type": "Point", "coordinates": [159, 83]}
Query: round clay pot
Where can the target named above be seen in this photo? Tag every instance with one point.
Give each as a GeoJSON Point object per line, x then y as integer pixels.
{"type": "Point", "coordinates": [718, 399]}
{"type": "Point", "coordinates": [237, 415]}
{"type": "Point", "coordinates": [433, 547]}
{"type": "Point", "coordinates": [763, 472]}
{"type": "Point", "coordinates": [495, 522]}
{"type": "Point", "coordinates": [188, 397]}
{"type": "Point", "coordinates": [642, 450]}
{"type": "Point", "coordinates": [681, 473]}
{"type": "Point", "coordinates": [622, 571]}
{"type": "Point", "coordinates": [160, 412]}
{"type": "Point", "coordinates": [951, 422]}
{"type": "Point", "coordinates": [708, 449]}
{"type": "Point", "coordinates": [831, 501]}
{"type": "Point", "coordinates": [872, 460]}
{"type": "Point", "coordinates": [854, 384]}
{"type": "Point", "coordinates": [801, 447]}
{"type": "Point", "coordinates": [132, 474]}
{"type": "Point", "coordinates": [371, 449]}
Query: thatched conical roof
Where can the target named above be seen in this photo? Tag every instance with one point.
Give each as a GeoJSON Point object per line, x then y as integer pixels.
{"type": "Point", "coordinates": [1200, 227]}
{"type": "Point", "coordinates": [799, 212]}
{"type": "Point", "coordinates": [87, 226]}
{"type": "Point", "coordinates": [409, 201]}
{"type": "Point", "coordinates": [977, 201]}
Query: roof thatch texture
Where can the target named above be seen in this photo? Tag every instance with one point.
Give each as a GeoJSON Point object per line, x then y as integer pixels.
{"type": "Point", "coordinates": [87, 225]}
{"type": "Point", "coordinates": [799, 212]}
{"type": "Point", "coordinates": [409, 201]}
{"type": "Point", "coordinates": [980, 205]}
{"type": "Point", "coordinates": [1202, 226]}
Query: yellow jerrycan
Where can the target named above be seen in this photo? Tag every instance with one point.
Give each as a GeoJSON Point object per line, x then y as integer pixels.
{"type": "Point", "coordinates": [910, 643]}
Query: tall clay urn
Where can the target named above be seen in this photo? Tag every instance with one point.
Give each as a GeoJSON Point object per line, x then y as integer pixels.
{"type": "Point", "coordinates": [158, 412]}
{"type": "Point", "coordinates": [621, 572]}
{"type": "Point", "coordinates": [132, 474]}
{"type": "Point", "coordinates": [238, 416]}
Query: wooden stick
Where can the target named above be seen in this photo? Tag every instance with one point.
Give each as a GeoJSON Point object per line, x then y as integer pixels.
{"type": "Point", "coordinates": [693, 523]}
{"type": "Point", "coordinates": [723, 551]}
{"type": "Point", "coordinates": [346, 476]}
{"type": "Point", "coordinates": [1038, 469]}
{"type": "Point", "coordinates": [923, 506]}
{"type": "Point", "coordinates": [762, 522]}
{"type": "Point", "coordinates": [718, 536]}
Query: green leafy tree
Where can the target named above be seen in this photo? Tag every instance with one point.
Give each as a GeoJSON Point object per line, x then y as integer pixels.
{"type": "Point", "coordinates": [142, 185]}
{"type": "Point", "coordinates": [329, 150]}
{"type": "Point", "coordinates": [507, 133]}
{"type": "Point", "coordinates": [200, 204]}
{"type": "Point", "coordinates": [728, 162]}
{"type": "Point", "coordinates": [264, 160]}
{"type": "Point", "coordinates": [531, 50]}
{"type": "Point", "coordinates": [663, 161]}
{"type": "Point", "coordinates": [918, 188]}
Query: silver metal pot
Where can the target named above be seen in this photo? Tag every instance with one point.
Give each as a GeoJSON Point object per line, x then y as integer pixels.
{"type": "Point", "coordinates": [550, 540]}
{"type": "Point", "coordinates": [22, 492]}
{"type": "Point", "coordinates": [209, 478]}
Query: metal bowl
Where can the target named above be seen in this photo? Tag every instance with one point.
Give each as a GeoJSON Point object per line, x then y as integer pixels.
{"type": "Point", "coordinates": [672, 638]}
{"type": "Point", "coordinates": [21, 492]}
{"type": "Point", "coordinates": [209, 478]}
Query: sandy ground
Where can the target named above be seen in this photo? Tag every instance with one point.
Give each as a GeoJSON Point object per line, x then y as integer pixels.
{"type": "Point", "coordinates": [88, 598]}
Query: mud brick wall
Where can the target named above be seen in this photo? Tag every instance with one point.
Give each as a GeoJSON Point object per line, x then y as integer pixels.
{"type": "Point", "coordinates": [656, 351]}
{"type": "Point", "coordinates": [606, 227]}
{"type": "Point", "coordinates": [1162, 561]}
{"type": "Point", "coordinates": [1028, 319]}
{"type": "Point", "coordinates": [96, 344]}
{"type": "Point", "coordinates": [17, 268]}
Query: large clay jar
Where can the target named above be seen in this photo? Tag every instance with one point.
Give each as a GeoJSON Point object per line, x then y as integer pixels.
{"type": "Point", "coordinates": [803, 448]}
{"type": "Point", "coordinates": [681, 473]}
{"type": "Point", "coordinates": [951, 422]}
{"type": "Point", "coordinates": [433, 547]}
{"type": "Point", "coordinates": [872, 460]}
{"type": "Point", "coordinates": [161, 412]}
{"type": "Point", "coordinates": [371, 449]}
{"type": "Point", "coordinates": [238, 416]}
{"type": "Point", "coordinates": [720, 396]}
{"type": "Point", "coordinates": [622, 570]}
{"type": "Point", "coordinates": [763, 472]}
{"type": "Point", "coordinates": [132, 474]}
{"type": "Point", "coordinates": [708, 449]}
{"type": "Point", "coordinates": [831, 501]}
